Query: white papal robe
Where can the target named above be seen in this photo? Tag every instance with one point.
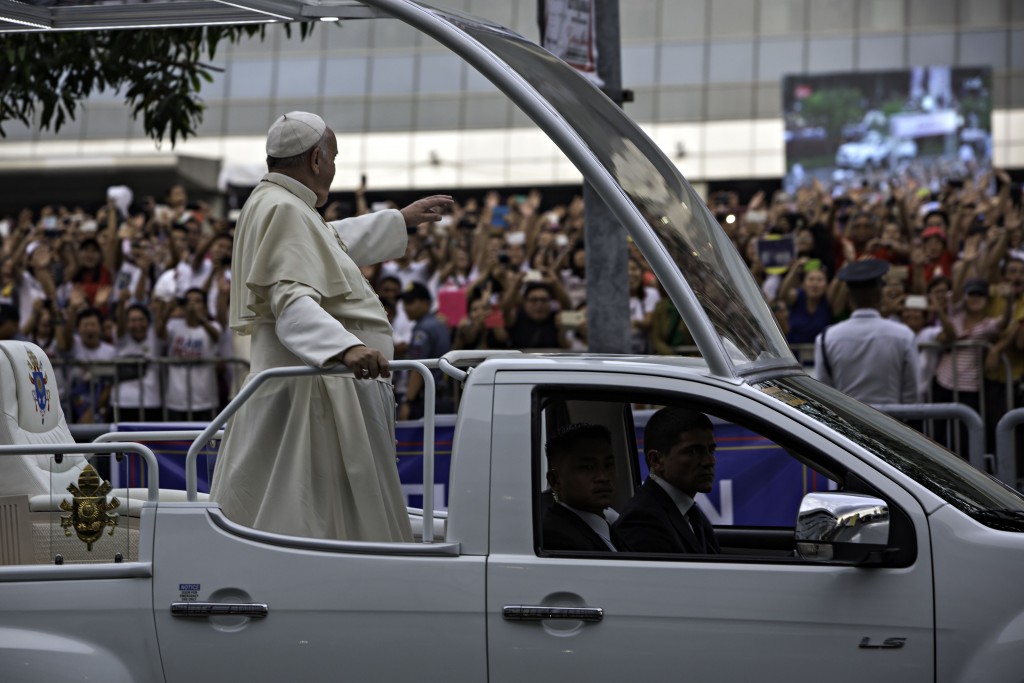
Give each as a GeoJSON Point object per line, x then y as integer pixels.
{"type": "Point", "coordinates": [311, 456]}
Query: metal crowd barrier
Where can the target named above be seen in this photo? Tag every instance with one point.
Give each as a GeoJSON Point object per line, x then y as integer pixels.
{"type": "Point", "coordinates": [1006, 450]}
{"type": "Point", "coordinates": [805, 354]}
{"type": "Point", "coordinates": [949, 411]}
{"type": "Point", "coordinates": [101, 379]}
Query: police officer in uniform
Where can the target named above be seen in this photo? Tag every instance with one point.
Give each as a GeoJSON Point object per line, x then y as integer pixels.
{"type": "Point", "coordinates": [866, 357]}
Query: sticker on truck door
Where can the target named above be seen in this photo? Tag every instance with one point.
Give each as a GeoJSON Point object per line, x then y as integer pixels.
{"type": "Point", "coordinates": [189, 592]}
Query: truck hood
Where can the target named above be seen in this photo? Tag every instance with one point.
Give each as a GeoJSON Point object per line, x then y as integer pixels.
{"type": "Point", "coordinates": [704, 276]}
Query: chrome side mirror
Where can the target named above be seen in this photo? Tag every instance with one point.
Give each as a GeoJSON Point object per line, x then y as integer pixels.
{"type": "Point", "coordinates": [842, 528]}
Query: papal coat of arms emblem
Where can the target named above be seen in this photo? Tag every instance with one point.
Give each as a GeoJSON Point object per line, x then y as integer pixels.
{"type": "Point", "coordinates": [90, 510]}
{"type": "Point", "coordinates": [39, 380]}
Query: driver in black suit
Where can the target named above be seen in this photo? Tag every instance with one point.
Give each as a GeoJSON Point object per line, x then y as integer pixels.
{"type": "Point", "coordinates": [662, 516]}
{"type": "Point", "coordinates": [581, 473]}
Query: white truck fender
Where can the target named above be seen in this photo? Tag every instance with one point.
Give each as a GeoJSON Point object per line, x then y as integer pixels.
{"type": "Point", "coordinates": [29, 656]}
{"type": "Point", "coordinates": [999, 657]}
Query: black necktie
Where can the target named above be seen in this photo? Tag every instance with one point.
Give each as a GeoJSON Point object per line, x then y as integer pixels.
{"type": "Point", "coordinates": [696, 520]}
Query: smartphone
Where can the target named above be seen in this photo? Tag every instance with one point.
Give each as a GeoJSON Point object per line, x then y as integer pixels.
{"type": "Point", "coordinates": [572, 319]}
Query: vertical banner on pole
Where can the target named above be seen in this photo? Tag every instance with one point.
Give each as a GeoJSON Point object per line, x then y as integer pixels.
{"type": "Point", "coordinates": [568, 29]}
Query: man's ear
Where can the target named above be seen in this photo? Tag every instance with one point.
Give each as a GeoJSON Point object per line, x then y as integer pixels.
{"type": "Point", "coordinates": [653, 458]}
{"type": "Point", "coordinates": [553, 480]}
{"type": "Point", "coordinates": [315, 160]}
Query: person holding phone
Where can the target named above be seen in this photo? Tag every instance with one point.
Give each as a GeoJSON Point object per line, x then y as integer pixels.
{"type": "Point", "coordinates": [810, 304]}
{"type": "Point", "coordinates": [473, 332]}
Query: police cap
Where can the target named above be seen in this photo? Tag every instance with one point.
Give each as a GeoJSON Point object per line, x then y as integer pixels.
{"type": "Point", "coordinates": [864, 273]}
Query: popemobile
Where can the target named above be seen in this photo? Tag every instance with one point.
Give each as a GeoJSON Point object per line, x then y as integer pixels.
{"type": "Point", "coordinates": [884, 558]}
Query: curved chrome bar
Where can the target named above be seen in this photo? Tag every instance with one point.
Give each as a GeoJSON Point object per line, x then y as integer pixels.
{"type": "Point", "coordinates": [80, 448]}
{"type": "Point", "coordinates": [452, 371]}
{"type": "Point", "coordinates": [257, 380]}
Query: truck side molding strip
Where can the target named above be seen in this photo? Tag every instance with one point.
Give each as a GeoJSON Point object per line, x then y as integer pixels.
{"type": "Point", "coordinates": [540, 613]}
{"type": "Point", "coordinates": [201, 610]}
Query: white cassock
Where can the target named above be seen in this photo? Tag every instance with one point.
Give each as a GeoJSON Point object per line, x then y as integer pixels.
{"type": "Point", "coordinates": [311, 456]}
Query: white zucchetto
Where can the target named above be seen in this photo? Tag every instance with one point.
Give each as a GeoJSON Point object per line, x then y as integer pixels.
{"type": "Point", "coordinates": [294, 133]}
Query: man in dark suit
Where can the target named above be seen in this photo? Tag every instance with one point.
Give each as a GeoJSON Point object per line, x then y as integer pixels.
{"type": "Point", "coordinates": [581, 473]}
{"type": "Point", "coordinates": [662, 516]}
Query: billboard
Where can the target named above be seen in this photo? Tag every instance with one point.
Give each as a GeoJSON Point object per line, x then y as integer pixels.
{"type": "Point", "coordinates": [927, 123]}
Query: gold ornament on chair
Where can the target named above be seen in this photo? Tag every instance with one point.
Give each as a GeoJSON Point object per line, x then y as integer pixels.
{"type": "Point", "coordinates": [90, 511]}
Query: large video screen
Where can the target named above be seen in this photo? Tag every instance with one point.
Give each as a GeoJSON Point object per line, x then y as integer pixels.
{"type": "Point", "coordinates": [927, 123]}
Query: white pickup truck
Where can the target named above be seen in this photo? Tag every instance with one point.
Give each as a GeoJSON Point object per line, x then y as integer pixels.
{"type": "Point", "coordinates": [899, 562]}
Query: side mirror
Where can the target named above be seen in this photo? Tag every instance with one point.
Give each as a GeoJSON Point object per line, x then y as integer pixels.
{"type": "Point", "coordinates": [842, 528]}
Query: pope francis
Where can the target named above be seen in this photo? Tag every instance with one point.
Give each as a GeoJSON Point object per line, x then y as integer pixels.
{"type": "Point", "coordinates": [314, 456]}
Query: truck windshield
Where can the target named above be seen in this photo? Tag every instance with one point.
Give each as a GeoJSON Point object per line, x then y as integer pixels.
{"type": "Point", "coordinates": [670, 209]}
{"type": "Point", "coordinates": [941, 472]}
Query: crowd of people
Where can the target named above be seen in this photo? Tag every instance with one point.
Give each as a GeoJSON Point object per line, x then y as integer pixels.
{"type": "Point", "coordinates": [147, 282]}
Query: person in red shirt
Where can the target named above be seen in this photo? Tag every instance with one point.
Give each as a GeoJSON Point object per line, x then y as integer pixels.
{"type": "Point", "coordinates": [931, 259]}
{"type": "Point", "coordinates": [91, 275]}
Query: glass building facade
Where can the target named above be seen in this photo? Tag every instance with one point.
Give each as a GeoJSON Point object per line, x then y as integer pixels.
{"type": "Point", "coordinates": [705, 74]}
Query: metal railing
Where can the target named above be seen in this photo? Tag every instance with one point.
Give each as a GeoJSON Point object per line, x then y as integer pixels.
{"type": "Point", "coordinates": [257, 380]}
{"type": "Point", "coordinates": [1006, 451]}
{"type": "Point", "coordinates": [103, 377]}
{"type": "Point", "coordinates": [949, 411]}
{"type": "Point", "coordinates": [153, 484]}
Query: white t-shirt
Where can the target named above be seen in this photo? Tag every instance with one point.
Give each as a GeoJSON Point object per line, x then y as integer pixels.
{"type": "Point", "coordinates": [174, 282]}
{"type": "Point", "coordinates": [416, 271]}
{"type": "Point", "coordinates": [80, 352]}
{"type": "Point", "coordinates": [192, 279]}
{"type": "Point", "coordinates": [928, 358]}
{"type": "Point", "coordinates": [127, 394]}
{"type": "Point", "coordinates": [639, 308]}
{"type": "Point", "coordinates": [28, 291]}
{"type": "Point", "coordinates": [190, 343]}
{"type": "Point", "coordinates": [128, 278]}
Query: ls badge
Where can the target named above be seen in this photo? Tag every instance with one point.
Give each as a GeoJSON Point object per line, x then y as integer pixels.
{"type": "Point", "coordinates": [887, 644]}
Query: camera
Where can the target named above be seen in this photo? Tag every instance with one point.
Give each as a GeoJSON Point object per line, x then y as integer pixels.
{"type": "Point", "coordinates": [503, 258]}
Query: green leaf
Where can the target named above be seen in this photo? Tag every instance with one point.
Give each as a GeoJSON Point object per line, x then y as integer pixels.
{"type": "Point", "coordinates": [159, 72]}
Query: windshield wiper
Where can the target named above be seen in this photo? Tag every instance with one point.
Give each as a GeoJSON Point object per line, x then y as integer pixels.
{"type": "Point", "coordinates": [1003, 519]}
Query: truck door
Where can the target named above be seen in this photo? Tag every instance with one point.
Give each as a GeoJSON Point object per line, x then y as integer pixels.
{"type": "Point", "coordinates": [234, 605]}
{"type": "Point", "coordinates": [76, 603]}
{"type": "Point", "coordinates": [755, 614]}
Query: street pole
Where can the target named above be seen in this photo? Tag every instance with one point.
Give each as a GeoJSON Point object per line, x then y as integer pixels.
{"type": "Point", "coordinates": [579, 30]}
{"type": "Point", "coordinates": [607, 252]}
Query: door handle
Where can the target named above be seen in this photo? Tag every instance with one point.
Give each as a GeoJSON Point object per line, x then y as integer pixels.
{"type": "Point", "coordinates": [202, 610]}
{"type": "Point", "coordinates": [540, 613]}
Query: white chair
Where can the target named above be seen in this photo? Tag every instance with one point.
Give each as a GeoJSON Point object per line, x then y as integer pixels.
{"type": "Point", "coordinates": [30, 414]}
